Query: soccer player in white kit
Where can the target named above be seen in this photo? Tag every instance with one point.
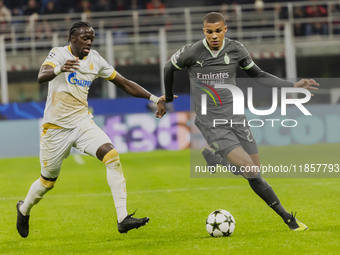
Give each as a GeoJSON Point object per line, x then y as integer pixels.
{"type": "Point", "coordinates": [67, 123]}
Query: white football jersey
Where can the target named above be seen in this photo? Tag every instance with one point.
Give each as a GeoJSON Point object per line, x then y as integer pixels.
{"type": "Point", "coordinates": [66, 101]}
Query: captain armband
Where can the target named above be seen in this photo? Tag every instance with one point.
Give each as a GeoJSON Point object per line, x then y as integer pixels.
{"type": "Point", "coordinates": [154, 99]}
{"type": "Point", "coordinates": [57, 70]}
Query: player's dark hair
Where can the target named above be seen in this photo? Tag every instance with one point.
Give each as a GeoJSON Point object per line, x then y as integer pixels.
{"type": "Point", "coordinates": [76, 27]}
{"type": "Point", "coordinates": [213, 17]}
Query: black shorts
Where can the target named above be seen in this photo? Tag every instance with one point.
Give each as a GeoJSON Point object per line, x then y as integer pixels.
{"type": "Point", "coordinates": [223, 139]}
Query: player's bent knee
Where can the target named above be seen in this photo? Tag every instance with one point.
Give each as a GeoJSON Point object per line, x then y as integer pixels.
{"type": "Point", "coordinates": [48, 183]}
{"type": "Point", "coordinates": [110, 157]}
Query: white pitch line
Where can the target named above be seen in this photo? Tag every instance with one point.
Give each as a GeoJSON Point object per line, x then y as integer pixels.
{"type": "Point", "coordinates": [162, 191]}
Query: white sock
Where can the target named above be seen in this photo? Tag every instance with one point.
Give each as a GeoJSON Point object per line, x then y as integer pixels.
{"type": "Point", "coordinates": [116, 180]}
{"type": "Point", "coordinates": [35, 194]}
{"type": "Point", "coordinates": [121, 213]}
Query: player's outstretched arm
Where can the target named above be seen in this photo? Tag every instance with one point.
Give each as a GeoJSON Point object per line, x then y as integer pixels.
{"type": "Point", "coordinates": [136, 90]}
{"type": "Point", "coordinates": [48, 72]}
{"type": "Point", "coordinates": [307, 84]}
{"type": "Point", "coordinates": [270, 80]}
{"type": "Point", "coordinates": [169, 71]}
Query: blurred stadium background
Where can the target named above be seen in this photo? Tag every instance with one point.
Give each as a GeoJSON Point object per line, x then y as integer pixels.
{"type": "Point", "coordinates": [290, 39]}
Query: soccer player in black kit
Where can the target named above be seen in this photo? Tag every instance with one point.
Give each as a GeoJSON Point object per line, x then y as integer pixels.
{"type": "Point", "coordinates": [213, 61]}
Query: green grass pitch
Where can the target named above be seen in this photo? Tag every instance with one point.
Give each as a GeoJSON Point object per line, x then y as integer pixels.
{"type": "Point", "coordinates": [78, 215]}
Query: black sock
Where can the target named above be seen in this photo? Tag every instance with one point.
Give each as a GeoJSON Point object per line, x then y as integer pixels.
{"type": "Point", "coordinates": [262, 189]}
{"type": "Point", "coordinates": [265, 191]}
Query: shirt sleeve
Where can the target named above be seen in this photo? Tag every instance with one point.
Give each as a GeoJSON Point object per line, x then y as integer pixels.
{"type": "Point", "coordinates": [106, 70]}
{"type": "Point", "coordinates": [54, 58]}
{"type": "Point", "coordinates": [262, 77]}
{"type": "Point", "coordinates": [244, 59]}
{"type": "Point", "coordinates": [181, 58]}
{"type": "Point", "coordinates": [248, 65]}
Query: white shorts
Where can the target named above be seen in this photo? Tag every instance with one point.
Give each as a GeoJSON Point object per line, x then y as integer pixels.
{"type": "Point", "coordinates": [56, 144]}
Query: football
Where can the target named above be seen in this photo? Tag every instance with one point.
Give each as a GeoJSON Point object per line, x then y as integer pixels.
{"type": "Point", "coordinates": [220, 223]}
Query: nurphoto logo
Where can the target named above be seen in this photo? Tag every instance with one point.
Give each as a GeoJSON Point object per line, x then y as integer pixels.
{"type": "Point", "coordinates": [238, 104]}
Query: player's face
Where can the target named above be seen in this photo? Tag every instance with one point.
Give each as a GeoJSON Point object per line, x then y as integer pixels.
{"type": "Point", "coordinates": [214, 33]}
{"type": "Point", "coordinates": [82, 41]}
